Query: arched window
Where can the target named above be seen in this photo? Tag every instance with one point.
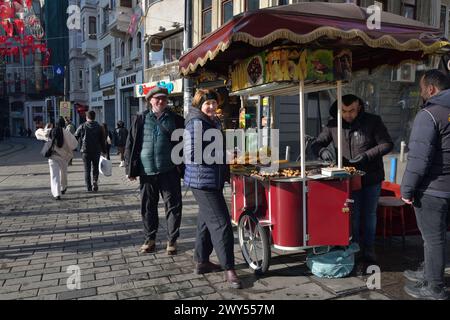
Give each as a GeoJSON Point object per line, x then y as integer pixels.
{"type": "Point", "coordinates": [130, 44]}
{"type": "Point", "coordinates": [139, 39]}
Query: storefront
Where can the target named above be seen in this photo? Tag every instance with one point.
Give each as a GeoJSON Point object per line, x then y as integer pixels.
{"type": "Point", "coordinates": [175, 89]}
{"type": "Point", "coordinates": [129, 105]}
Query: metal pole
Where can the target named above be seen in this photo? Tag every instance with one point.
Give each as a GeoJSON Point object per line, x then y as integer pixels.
{"type": "Point", "coordinates": [187, 83]}
{"type": "Point", "coordinates": [65, 83]}
{"type": "Point", "coordinates": [339, 123]}
{"type": "Point", "coordinates": [302, 128]}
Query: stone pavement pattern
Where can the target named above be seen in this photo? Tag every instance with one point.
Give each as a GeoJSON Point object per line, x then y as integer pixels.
{"type": "Point", "coordinates": [101, 233]}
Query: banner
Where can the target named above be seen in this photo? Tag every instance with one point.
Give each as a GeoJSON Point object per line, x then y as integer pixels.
{"type": "Point", "coordinates": [64, 109]}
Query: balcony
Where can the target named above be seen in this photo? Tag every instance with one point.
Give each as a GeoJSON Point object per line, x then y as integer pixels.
{"type": "Point", "coordinates": [107, 79]}
{"type": "Point", "coordinates": [118, 62]}
{"type": "Point", "coordinates": [135, 54]}
{"type": "Point", "coordinates": [120, 21]}
{"type": "Point", "coordinates": [89, 47]}
{"type": "Point", "coordinates": [91, 3]}
{"type": "Point", "coordinates": [168, 70]}
{"type": "Point", "coordinates": [126, 63]}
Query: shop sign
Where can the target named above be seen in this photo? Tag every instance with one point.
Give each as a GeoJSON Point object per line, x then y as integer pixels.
{"type": "Point", "coordinates": [64, 109]}
{"type": "Point", "coordinates": [171, 86]}
{"type": "Point", "coordinates": [290, 65]}
{"type": "Point", "coordinates": [128, 80]}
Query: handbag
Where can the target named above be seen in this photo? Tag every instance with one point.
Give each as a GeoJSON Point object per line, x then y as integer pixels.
{"type": "Point", "coordinates": [47, 149]}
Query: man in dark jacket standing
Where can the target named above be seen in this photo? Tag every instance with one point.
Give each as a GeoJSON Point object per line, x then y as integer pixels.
{"type": "Point", "coordinates": [92, 145]}
{"type": "Point", "coordinates": [426, 184]}
{"type": "Point", "coordinates": [364, 143]}
{"type": "Point", "coordinates": [148, 156]}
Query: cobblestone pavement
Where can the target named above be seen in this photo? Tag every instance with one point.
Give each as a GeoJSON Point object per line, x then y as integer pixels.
{"type": "Point", "coordinates": [101, 233]}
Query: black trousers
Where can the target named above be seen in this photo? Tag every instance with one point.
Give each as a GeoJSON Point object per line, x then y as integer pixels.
{"type": "Point", "coordinates": [214, 228]}
{"type": "Point", "coordinates": [168, 185]}
{"type": "Point", "coordinates": [433, 216]}
{"type": "Point", "coordinates": [91, 160]}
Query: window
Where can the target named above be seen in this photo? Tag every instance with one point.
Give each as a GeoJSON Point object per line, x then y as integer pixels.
{"type": "Point", "coordinates": [80, 79]}
{"type": "Point", "coordinates": [206, 17]}
{"type": "Point", "coordinates": [130, 44]}
{"type": "Point", "coordinates": [443, 19]}
{"type": "Point", "coordinates": [227, 10]}
{"type": "Point", "coordinates": [96, 78]}
{"type": "Point", "coordinates": [83, 38]}
{"type": "Point", "coordinates": [139, 40]}
{"type": "Point", "coordinates": [251, 5]}
{"type": "Point", "coordinates": [409, 9]}
{"type": "Point", "coordinates": [122, 49]}
{"type": "Point", "coordinates": [107, 58]}
{"type": "Point", "coordinates": [283, 2]}
{"type": "Point", "coordinates": [126, 3]}
{"type": "Point", "coordinates": [173, 46]}
{"type": "Point", "coordinates": [105, 19]}
{"type": "Point", "coordinates": [383, 4]}
{"type": "Point", "coordinates": [92, 28]}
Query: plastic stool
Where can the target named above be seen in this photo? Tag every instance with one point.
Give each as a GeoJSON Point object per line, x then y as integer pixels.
{"type": "Point", "coordinates": [386, 206]}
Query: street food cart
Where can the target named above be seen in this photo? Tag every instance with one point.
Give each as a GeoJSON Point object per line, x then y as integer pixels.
{"type": "Point", "coordinates": [293, 50]}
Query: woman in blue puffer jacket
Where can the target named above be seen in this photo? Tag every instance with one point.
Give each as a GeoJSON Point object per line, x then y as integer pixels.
{"type": "Point", "coordinates": [206, 178]}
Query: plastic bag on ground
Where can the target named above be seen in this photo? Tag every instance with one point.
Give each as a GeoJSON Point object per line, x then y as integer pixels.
{"type": "Point", "coordinates": [105, 166]}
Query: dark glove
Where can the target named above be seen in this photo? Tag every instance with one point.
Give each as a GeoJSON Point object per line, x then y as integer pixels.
{"type": "Point", "coordinates": [326, 155]}
{"type": "Point", "coordinates": [360, 159]}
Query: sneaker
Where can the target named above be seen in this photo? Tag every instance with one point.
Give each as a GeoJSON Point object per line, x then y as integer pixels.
{"type": "Point", "coordinates": [64, 190]}
{"type": "Point", "coordinates": [57, 198]}
{"type": "Point", "coordinates": [122, 164]}
{"type": "Point", "coordinates": [414, 276]}
{"type": "Point", "coordinates": [171, 248]}
{"type": "Point", "coordinates": [207, 267]}
{"type": "Point", "coordinates": [421, 290]}
{"type": "Point", "coordinates": [148, 246]}
{"type": "Point", "coordinates": [95, 186]}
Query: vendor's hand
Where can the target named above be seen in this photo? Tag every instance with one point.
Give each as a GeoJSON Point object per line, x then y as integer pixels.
{"type": "Point", "coordinates": [360, 159]}
{"type": "Point", "coordinates": [326, 155]}
{"type": "Point", "coordinates": [131, 178]}
{"type": "Point", "coordinates": [408, 201]}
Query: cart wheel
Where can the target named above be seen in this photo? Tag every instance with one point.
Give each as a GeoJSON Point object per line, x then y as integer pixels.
{"type": "Point", "coordinates": [254, 242]}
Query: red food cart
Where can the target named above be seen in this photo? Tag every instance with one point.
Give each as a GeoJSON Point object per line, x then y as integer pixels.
{"type": "Point", "coordinates": [306, 47]}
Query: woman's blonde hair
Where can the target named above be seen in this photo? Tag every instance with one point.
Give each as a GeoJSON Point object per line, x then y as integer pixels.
{"type": "Point", "coordinates": [202, 95]}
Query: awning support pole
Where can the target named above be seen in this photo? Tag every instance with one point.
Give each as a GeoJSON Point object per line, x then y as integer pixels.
{"type": "Point", "coordinates": [302, 128]}
{"type": "Point", "coordinates": [339, 123]}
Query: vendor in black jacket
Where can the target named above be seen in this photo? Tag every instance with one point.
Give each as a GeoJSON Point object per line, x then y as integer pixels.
{"type": "Point", "coordinates": [148, 156]}
{"type": "Point", "coordinates": [365, 141]}
{"type": "Point", "coordinates": [426, 184]}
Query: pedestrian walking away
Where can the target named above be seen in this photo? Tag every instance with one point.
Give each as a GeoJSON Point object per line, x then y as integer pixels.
{"type": "Point", "coordinates": [62, 151]}
{"type": "Point", "coordinates": [92, 139]}
{"type": "Point", "coordinates": [214, 230]}
{"type": "Point", "coordinates": [71, 128]}
{"type": "Point", "coordinates": [121, 140]}
{"type": "Point", "coordinates": [148, 156]}
{"type": "Point", "coordinates": [365, 142]}
{"type": "Point", "coordinates": [426, 185]}
{"type": "Point", "coordinates": [108, 140]}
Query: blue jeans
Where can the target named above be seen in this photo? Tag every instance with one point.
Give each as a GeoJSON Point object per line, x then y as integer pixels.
{"type": "Point", "coordinates": [365, 205]}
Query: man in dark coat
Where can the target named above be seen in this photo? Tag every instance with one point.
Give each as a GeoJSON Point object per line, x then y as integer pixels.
{"type": "Point", "coordinates": [148, 156]}
{"type": "Point", "coordinates": [426, 184]}
{"type": "Point", "coordinates": [92, 139]}
{"type": "Point", "coordinates": [365, 141]}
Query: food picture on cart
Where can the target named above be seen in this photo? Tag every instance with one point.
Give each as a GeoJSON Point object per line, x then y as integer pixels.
{"type": "Point", "coordinates": [214, 230]}
{"type": "Point", "coordinates": [365, 142]}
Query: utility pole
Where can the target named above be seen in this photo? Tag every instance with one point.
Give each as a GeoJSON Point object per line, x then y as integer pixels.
{"type": "Point", "coordinates": [187, 83]}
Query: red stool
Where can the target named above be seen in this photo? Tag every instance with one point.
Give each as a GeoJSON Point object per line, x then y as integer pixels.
{"type": "Point", "coordinates": [387, 206]}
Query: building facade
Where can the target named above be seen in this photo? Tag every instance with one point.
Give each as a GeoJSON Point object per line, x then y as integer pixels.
{"type": "Point", "coordinates": [392, 93]}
